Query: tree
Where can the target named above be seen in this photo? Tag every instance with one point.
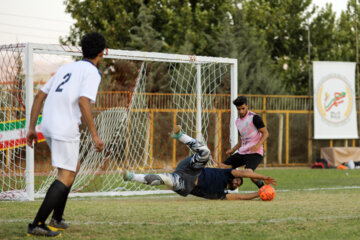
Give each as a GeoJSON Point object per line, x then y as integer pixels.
{"type": "Point", "coordinates": [346, 33]}
{"type": "Point", "coordinates": [256, 71]}
{"type": "Point", "coordinates": [323, 32]}
{"type": "Point", "coordinates": [111, 18]}
{"type": "Point", "coordinates": [282, 24]}
{"type": "Point", "coordinates": [143, 36]}
{"type": "Point", "coordinates": [185, 26]}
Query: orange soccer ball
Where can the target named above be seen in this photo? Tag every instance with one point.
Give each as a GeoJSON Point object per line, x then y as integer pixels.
{"type": "Point", "coordinates": [267, 193]}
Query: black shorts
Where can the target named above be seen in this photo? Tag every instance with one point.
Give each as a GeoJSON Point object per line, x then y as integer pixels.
{"type": "Point", "coordinates": [249, 160]}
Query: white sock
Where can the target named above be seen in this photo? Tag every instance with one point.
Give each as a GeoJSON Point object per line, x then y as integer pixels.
{"type": "Point", "coordinates": [139, 178]}
{"type": "Point", "coordinates": [185, 138]}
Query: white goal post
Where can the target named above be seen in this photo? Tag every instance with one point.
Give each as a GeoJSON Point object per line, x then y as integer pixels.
{"type": "Point", "coordinates": [128, 118]}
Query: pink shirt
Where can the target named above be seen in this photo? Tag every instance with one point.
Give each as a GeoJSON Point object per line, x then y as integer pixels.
{"type": "Point", "coordinates": [250, 135]}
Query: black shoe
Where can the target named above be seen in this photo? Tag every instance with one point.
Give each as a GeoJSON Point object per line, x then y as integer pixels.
{"type": "Point", "coordinates": [58, 226]}
{"type": "Point", "coordinates": [259, 183]}
{"type": "Point", "coordinates": [41, 230]}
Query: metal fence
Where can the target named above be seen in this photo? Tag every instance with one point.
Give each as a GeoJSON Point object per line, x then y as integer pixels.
{"type": "Point", "coordinates": [289, 120]}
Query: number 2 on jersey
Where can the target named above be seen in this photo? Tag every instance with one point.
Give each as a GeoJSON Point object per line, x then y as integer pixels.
{"type": "Point", "coordinates": [67, 78]}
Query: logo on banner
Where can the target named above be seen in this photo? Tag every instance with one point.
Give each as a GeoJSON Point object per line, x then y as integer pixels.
{"type": "Point", "coordinates": [334, 99]}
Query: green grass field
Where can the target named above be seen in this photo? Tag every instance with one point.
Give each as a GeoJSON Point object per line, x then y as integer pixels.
{"type": "Point", "coordinates": [309, 204]}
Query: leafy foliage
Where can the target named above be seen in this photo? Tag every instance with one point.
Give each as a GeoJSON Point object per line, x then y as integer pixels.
{"type": "Point", "coordinates": [269, 38]}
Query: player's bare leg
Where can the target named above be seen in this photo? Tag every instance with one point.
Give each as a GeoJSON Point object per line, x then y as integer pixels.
{"type": "Point", "coordinates": [66, 177]}
{"type": "Point", "coordinates": [258, 182]}
{"type": "Point", "coordinates": [224, 166]}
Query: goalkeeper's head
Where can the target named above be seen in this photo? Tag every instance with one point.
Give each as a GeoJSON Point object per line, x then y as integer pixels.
{"type": "Point", "coordinates": [92, 44]}
{"type": "Point", "coordinates": [235, 183]}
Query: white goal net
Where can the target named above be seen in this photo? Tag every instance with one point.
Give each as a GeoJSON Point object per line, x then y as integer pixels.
{"type": "Point", "coordinates": [142, 96]}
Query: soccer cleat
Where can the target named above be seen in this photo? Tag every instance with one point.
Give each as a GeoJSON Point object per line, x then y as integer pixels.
{"type": "Point", "coordinates": [41, 230]}
{"type": "Point", "coordinates": [259, 183]}
{"type": "Point", "coordinates": [177, 132]}
{"type": "Point", "coordinates": [127, 176]}
{"type": "Point", "coordinates": [55, 225]}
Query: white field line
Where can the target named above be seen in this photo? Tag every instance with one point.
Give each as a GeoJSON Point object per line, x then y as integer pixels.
{"type": "Point", "coordinates": [170, 194]}
{"type": "Point", "coordinates": [113, 194]}
{"type": "Point", "coordinates": [180, 223]}
{"type": "Point", "coordinates": [307, 189]}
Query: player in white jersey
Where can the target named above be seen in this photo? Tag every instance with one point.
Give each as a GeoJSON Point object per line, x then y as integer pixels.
{"type": "Point", "coordinates": [249, 150]}
{"type": "Point", "coordinates": [67, 95]}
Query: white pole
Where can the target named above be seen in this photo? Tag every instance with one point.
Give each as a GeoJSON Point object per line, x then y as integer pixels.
{"type": "Point", "coordinates": [234, 114]}
{"type": "Point", "coordinates": [29, 96]}
{"type": "Point", "coordinates": [280, 138]}
{"type": "Point", "coordinates": [198, 104]}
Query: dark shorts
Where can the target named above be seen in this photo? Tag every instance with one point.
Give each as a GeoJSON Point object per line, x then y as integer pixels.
{"type": "Point", "coordinates": [249, 160]}
{"type": "Point", "coordinates": [188, 174]}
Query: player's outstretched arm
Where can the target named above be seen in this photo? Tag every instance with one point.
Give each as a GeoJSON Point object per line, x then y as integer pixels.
{"type": "Point", "coordinates": [248, 174]}
{"type": "Point", "coordinates": [31, 135]}
{"type": "Point", "coordinates": [241, 196]}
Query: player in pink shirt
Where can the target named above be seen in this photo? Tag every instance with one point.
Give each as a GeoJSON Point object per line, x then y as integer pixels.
{"type": "Point", "coordinates": [249, 150]}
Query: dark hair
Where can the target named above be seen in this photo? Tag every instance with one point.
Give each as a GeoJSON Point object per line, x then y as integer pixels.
{"type": "Point", "coordinates": [230, 184]}
{"type": "Point", "coordinates": [92, 44]}
{"type": "Point", "coordinates": [240, 101]}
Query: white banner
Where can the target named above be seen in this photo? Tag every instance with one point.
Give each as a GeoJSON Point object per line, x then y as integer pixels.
{"type": "Point", "coordinates": [334, 100]}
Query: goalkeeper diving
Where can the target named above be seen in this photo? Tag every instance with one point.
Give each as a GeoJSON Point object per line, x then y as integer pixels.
{"type": "Point", "coordinates": [192, 177]}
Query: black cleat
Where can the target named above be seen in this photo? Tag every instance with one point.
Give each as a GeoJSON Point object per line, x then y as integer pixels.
{"type": "Point", "coordinates": [41, 230]}
{"type": "Point", "coordinates": [259, 183]}
{"type": "Point", "coordinates": [58, 226]}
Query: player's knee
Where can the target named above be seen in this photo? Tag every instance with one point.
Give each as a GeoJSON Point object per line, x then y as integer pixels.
{"type": "Point", "coordinates": [66, 177]}
{"type": "Point", "coordinates": [204, 152]}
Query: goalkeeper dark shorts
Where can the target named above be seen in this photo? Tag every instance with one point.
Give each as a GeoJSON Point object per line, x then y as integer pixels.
{"type": "Point", "coordinates": [188, 174]}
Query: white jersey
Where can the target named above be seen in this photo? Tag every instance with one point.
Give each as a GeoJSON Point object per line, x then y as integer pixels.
{"type": "Point", "coordinates": [61, 113]}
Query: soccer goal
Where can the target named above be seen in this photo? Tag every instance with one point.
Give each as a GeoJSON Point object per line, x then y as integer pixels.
{"type": "Point", "coordinates": [142, 96]}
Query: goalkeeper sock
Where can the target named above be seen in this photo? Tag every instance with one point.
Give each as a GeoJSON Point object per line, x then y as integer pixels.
{"type": "Point", "coordinates": [139, 178]}
{"type": "Point", "coordinates": [185, 139]}
{"type": "Point", "coordinates": [53, 197]}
